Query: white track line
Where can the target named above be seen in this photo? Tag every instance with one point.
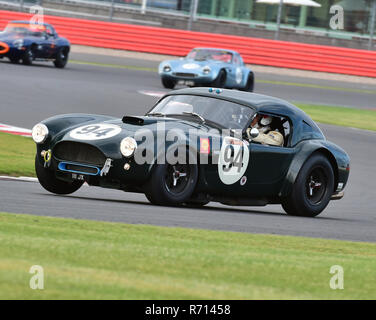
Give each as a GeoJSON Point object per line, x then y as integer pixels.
{"type": "Point", "coordinates": [23, 179]}
{"type": "Point", "coordinates": [15, 130]}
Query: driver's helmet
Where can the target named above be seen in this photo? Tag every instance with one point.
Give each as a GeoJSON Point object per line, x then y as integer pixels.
{"type": "Point", "coordinates": [266, 121]}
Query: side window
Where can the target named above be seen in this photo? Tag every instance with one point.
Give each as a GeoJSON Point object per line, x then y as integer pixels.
{"type": "Point", "coordinates": [306, 129]}
{"type": "Point", "coordinates": [236, 60]}
{"type": "Point", "coordinates": [274, 130]}
{"type": "Point", "coordinates": [49, 30]}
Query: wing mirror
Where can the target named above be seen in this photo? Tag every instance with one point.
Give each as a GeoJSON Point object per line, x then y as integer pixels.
{"type": "Point", "coordinates": [254, 133]}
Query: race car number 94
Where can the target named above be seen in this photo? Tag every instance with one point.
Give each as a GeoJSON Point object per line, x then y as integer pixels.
{"type": "Point", "coordinates": [95, 132]}
{"type": "Point", "coordinates": [233, 160]}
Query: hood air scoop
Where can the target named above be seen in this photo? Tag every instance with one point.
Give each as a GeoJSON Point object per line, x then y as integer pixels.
{"type": "Point", "coordinates": [133, 120]}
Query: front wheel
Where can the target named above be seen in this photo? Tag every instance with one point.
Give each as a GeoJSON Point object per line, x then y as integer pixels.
{"type": "Point", "coordinates": [61, 58]}
{"type": "Point", "coordinates": [250, 85]}
{"type": "Point", "coordinates": [28, 57]}
{"type": "Point", "coordinates": [171, 184]}
{"type": "Point", "coordinates": [168, 83]}
{"type": "Point", "coordinates": [49, 182]}
{"type": "Point", "coordinates": [14, 60]}
{"type": "Point", "coordinates": [220, 81]}
{"type": "Point", "coordinates": [312, 189]}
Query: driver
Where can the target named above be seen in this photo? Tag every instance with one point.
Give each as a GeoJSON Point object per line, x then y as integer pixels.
{"type": "Point", "coordinates": [267, 136]}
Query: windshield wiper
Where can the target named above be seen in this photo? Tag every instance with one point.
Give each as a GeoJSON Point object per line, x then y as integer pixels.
{"type": "Point", "coordinates": [196, 115]}
{"type": "Point", "coordinates": [155, 114]}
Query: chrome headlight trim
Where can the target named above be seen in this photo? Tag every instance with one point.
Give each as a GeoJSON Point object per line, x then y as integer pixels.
{"type": "Point", "coordinates": [166, 68]}
{"type": "Point", "coordinates": [206, 70]}
{"type": "Point", "coordinates": [18, 43]}
{"type": "Point", "coordinates": [128, 146]}
{"type": "Point", "coordinates": [39, 133]}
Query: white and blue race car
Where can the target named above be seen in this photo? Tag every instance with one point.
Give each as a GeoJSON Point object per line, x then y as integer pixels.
{"type": "Point", "coordinates": [219, 68]}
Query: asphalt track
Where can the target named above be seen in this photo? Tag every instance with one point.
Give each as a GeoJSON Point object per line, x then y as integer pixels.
{"type": "Point", "coordinates": [29, 94]}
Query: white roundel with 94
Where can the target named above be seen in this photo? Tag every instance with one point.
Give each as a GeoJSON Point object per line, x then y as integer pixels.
{"type": "Point", "coordinates": [96, 131]}
{"type": "Point", "coordinates": [233, 160]}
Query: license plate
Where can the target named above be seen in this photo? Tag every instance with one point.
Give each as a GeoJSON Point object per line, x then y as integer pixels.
{"type": "Point", "coordinates": [187, 82]}
{"type": "Point", "coordinates": [79, 177]}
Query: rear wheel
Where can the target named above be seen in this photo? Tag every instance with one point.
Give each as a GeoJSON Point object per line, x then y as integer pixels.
{"type": "Point", "coordinates": [28, 57]}
{"type": "Point", "coordinates": [312, 189]}
{"type": "Point", "coordinates": [61, 58]}
{"type": "Point", "coordinates": [49, 182]}
{"type": "Point", "coordinates": [168, 83]}
{"type": "Point", "coordinates": [250, 83]}
{"type": "Point", "coordinates": [171, 184]}
{"type": "Point", "coordinates": [220, 81]}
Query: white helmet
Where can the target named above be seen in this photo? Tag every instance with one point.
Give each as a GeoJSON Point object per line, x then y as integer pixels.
{"type": "Point", "coordinates": [266, 120]}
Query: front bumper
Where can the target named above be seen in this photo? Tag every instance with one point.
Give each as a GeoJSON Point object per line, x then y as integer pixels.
{"type": "Point", "coordinates": [114, 172]}
{"type": "Point", "coordinates": [338, 195]}
{"type": "Point", "coordinates": [194, 78]}
{"type": "Point", "coordinates": [11, 52]}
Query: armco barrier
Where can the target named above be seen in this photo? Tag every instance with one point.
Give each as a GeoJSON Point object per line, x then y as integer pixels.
{"type": "Point", "coordinates": [179, 42]}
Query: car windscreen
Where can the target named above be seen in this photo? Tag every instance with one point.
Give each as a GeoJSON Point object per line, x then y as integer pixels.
{"type": "Point", "coordinates": [206, 54]}
{"type": "Point", "coordinates": [26, 30]}
{"type": "Point", "coordinates": [226, 114]}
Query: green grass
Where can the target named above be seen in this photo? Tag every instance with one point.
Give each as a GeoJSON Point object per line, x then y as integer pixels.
{"type": "Point", "coordinates": [347, 117]}
{"type": "Point", "coordinates": [16, 155]}
{"type": "Point", "coordinates": [99, 260]}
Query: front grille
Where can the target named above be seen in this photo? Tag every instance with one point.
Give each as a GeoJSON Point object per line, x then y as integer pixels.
{"type": "Point", "coordinates": [79, 152]}
{"type": "Point", "coordinates": [185, 75]}
{"type": "Point", "coordinates": [79, 169]}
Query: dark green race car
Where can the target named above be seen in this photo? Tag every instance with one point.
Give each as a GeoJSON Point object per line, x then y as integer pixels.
{"type": "Point", "coordinates": [195, 146]}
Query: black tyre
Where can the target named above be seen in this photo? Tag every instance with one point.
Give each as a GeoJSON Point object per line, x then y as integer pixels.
{"type": "Point", "coordinates": [49, 182]}
{"type": "Point", "coordinates": [220, 81]}
{"type": "Point", "coordinates": [171, 184]}
{"type": "Point", "coordinates": [168, 83]}
{"type": "Point", "coordinates": [14, 60]}
{"type": "Point", "coordinates": [250, 86]}
{"type": "Point", "coordinates": [312, 189]}
{"type": "Point", "coordinates": [28, 57]}
{"type": "Point", "coordinates": [61, 58]}
{"type": "Point", "coordinates": [196, 204]}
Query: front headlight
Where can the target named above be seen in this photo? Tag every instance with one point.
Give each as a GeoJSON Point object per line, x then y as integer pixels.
{"type": "Point", "coordinates": [39, 133]}
{"type": "Point", "coordinates": [18, 43]}
{"type": "Point", "coordinates": [167, 68]}
{"type": "Point", "coordinates": [206, 70]}
{"type": "Point", "coordinates": [128, 146]}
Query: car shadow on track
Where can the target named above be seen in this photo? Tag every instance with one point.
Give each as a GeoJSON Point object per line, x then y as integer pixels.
{"type": "Point", "coordinates": [205, 208]}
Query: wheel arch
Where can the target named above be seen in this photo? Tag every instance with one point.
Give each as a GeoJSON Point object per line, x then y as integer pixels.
{"type": "Point", "coordinates": [305, 153]}
{"type": "Point", "coordinates": [190, 148]}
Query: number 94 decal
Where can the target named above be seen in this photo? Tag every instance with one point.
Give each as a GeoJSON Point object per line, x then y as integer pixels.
{"type": "Point", "coordinates": [233, 160]}
{"type": "Point", "coordinates": [95, 132]}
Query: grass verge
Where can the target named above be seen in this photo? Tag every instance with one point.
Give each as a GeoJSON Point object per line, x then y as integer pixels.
{"type": "Point", "coordinates": [340, 116]}
{"type": "Point", "coordinates": [16, 155]}
{"type": "Point", "coordinates": [99, 260]}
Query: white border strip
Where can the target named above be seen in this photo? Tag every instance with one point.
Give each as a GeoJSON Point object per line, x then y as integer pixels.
{"type": "Point", "coordinates": [23, 179]}
{"type": "Point", "coordinates": [15, 130]}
